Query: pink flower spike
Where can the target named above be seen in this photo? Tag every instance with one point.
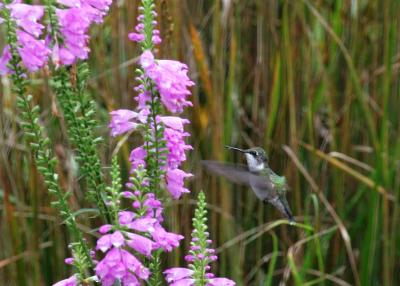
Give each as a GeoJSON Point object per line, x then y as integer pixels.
{"type": "Point", "coordinates": [171, 80]}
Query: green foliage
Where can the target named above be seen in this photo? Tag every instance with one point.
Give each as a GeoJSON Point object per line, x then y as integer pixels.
{"type": "Point", "coordinates": [114, 191]}
{"type": "Point", "coordinates": [78, 112]}
{"type": "Point", "coordinates": [148, 10]}
{"type": "Point", "coordinates": [155, 144]}
{"type": "Point", "coordinates": [201, 234]}
{"type": "Point", "coordinates": [52, 22]}
{"type": "Point", "coordinates": [156, 277]}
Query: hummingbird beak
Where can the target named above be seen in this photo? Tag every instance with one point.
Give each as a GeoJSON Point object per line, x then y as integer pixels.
{"type": "Point", "coordinates": [236, 149]}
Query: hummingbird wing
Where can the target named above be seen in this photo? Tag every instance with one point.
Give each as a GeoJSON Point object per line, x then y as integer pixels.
{"type": "Point", "coordinates": [239, 174]}
{"type": "Point", "coordinates": [262, 186]}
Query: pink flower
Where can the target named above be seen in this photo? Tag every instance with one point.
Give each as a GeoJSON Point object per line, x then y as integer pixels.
{"type": "Point", "coordinates": [74, 25]}
{"type": "Point", "coordinates": [69, 261]}
{"type": "Point", "coordinates": [171, 80]}
{"type": "Point", "coordinates": [220, 282]}
{"type": "Point", "coordinates": [175, 183]}
{"type": "Point", "coordinates": [71, 281]}
{"type": "Point", "coordinates": [137, 157]}
{"type": "Point", "coordinates": [27, 17]}
{"type": "Point", "coordinates": [143, 224]}
{"type": "Point", "coordinates": [121, 120]}
{"type": "Point", "coordinates": [95, 10]}
{"type": "Point", "coordinates": [125, 217]}
{"type": "Point", "coordinates": [105, 242]}
{"type": "Point", "coordinates": [176, 147]}
{"type": "Point", "coordinates": [143, 96]}
{"type": "Point", "coordinates": [70, 3]}
{"type": "Point", "coordinates": [177, 273]}
{"type": "Point", "coordinates": [154, 207]}
{"type": "Point", "coordinates": [165, 240]}
{"type": "Point", "coordinates": [173, 122]}
{"type": "Point", "coordinates": [33, 52]}
{"type": "Point", "coordinates": [105, 228]}
{"type": "Point", "coordinates": [120, 264]}
{"type": "Point", "coordinates": [4, 59]}
{"type": "Point", "coordinates": [135, 37]}
{"type": "Point", "coordinates": [140, 243]}
{"type": "Point", "coordinates": [75, 20]}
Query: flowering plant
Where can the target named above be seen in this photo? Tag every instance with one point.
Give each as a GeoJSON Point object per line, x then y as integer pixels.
{"type": "Point", "coordinates": [131, 239]}
{"type": "Point", "coordinates": [200, 255]}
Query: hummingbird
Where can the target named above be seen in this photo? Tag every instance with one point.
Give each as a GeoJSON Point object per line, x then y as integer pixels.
{"type": "Point", "coordinates": [265, 183]}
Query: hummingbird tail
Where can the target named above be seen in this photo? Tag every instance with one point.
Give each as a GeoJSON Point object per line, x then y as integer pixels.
{"type": "Point", "coordinates": [282, 205]}
{"type": "Point", "coordinates": [289, 214]}
{"type": "Point", "coordinates": [287, 210]}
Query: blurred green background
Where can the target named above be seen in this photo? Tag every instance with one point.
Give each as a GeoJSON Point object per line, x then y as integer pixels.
{"type": "Point", "coordinates": [314, 82]}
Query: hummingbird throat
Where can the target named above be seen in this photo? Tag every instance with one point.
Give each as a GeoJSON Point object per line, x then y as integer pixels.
{"type": "Point", "coordinates": [254, 164]}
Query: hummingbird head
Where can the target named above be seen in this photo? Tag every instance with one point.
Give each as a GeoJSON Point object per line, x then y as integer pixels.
{"type": "Point", "coordinates": [257, 158]}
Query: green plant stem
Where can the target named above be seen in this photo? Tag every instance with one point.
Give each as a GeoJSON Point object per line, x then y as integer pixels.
{"type": "Point", "coordinates": [154, 142]}
{"type": "Point", "coordinates": [200, 227]}
{"type": "Point", "coordinates": [114, 190]}
{"type": "Point", "coordinates": [155, 268]}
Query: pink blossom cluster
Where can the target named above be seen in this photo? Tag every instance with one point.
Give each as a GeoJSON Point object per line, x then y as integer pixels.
{"type": "Point", "coordinates": [138, 35]}
{"type": "Point", "coordinates": [74, 18]}
{"type": "Point", "coordinates": [171, 83]}
{"type": "Point", "coordinates": [171, 80]}
{"type": "Point", "coordinates": [32, 50]}
{"type": "Point", "coordinates": [198, 255]}
{"type": "Point", "coordinates": [142, 233]}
